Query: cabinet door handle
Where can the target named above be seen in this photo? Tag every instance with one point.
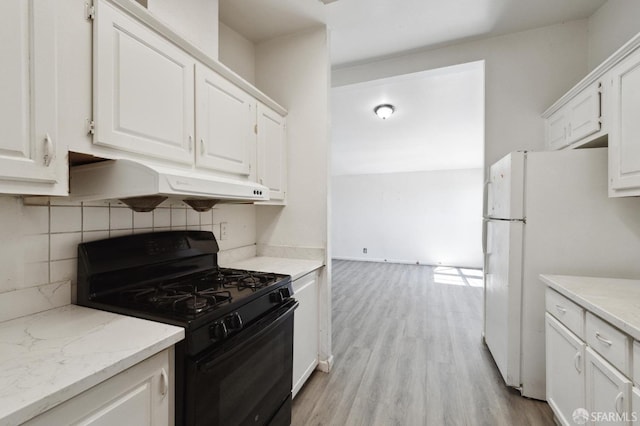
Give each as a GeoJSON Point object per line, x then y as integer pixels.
{"type": "Point", "coordinates": [201, 146]}
{"type": "Point", "coordinates": [190, 143]}
{"type": "Point", "coordinates": [619, 400]}
{"type": "Point", "coordinates": [561, 309]}
{"type": "Point", "coordinates": [164, 382]}
{"type": "Point", "coordinates": [603, 339]}
{"type": "Point", "coordinates": [577, 360]}
{"type": "Point", "coordinates": [48, 150]}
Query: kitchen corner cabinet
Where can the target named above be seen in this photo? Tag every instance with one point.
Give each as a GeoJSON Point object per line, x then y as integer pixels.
{"type": "Point", "coordinates": [305, 329]}
{"type": "Point", "coordinates": [141, 395]}
{"type": "Point", "coordinates": [29, 163]}
{"type": "Point", "coordinates": [272, 152]}
{"type": "Point", "coordinates": [624, 135]}
{"type": "Point", "coordinates": [143, 89]}
{"type": "Point", "coordinates": [225, 124]}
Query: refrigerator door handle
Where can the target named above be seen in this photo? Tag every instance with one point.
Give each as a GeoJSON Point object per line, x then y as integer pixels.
{"type": "Point", "coordinates": [485, 198]}
{"type": "Point", "coordinates": [485, 238]}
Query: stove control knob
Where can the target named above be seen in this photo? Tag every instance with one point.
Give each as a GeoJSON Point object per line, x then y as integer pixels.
{"type": "Point", "coordinates": [234, 321]}
{"type": "Point", "coordinates": [218, 331]}
{"type": "Point", "coordinates": [284, 291]}
{"type": "Point", "coordinates": [276, 297]}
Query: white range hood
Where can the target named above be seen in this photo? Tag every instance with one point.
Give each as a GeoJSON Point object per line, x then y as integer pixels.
{"type": "Point", "coordinates": [143, 186]}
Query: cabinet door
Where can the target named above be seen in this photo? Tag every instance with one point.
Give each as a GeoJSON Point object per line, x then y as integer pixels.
{"type": "Point", "coordinates": [272, 152]}
{"type": "Point", "coordinates": [556, 130]}
{"type": "Point", "coordinates": [565, 370]}
{"type": "Point", "coordinates": [141, 395]}
{"type": "Point", "coordinates": [608, 391]}
{"type": "Point", "coordinates": [225, 124]}
{"type": "Point", "coordinates": [27, 91]}
{"type": "Point", "coordinates": [624, 133]}
{"type": "Point", "coordinates": [305, 330]}
{"type": "Point", "coordinates": [143, 89]}
{"type": "Point", "coordinates": [584, 114]}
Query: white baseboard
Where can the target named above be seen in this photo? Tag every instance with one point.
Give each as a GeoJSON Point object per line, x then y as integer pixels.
{"type": "Point", "coordinates": [326, 365]}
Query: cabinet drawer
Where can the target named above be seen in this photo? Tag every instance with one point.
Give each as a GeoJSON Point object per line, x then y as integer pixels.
{"type": "Point", "coordinates": [609, 342]}
{"type": "Point", "coordinates": [567, 312]}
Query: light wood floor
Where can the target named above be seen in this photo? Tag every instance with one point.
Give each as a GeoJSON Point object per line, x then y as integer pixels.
{"type": "Point", "coordinates": [408, 351]}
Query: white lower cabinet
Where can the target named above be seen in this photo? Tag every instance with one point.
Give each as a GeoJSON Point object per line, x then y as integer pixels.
{"type": "Point", "coordinates": [608, 392]}
{"type": "Point", "coordinates": [565, 370]}
{"type": "Point", "coordinates": [305, 329]}
{"type": "Point", "coordinates": [141, 395]}
{"type": "Point", "coordinates": [590, 372]}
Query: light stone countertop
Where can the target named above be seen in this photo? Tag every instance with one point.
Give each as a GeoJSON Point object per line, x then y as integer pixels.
{"type": "Point", "coordinates": [279, 265]}
{"type": "Point", "coordinates": [50, 357]}
{"type": "Point", "coordinates": [615, 300]}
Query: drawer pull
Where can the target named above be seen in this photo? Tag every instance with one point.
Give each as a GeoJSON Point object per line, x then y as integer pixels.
{"type": "Point", "coordinates": [164, 382]}
{"type": "Point", "coordinates": [603, 340]}
{"type": "Point", "coordinates": [619, 399]}
{"type": "Point", "coordinates": [561, 309]}
{"type": "Point", "coordinates": [577, 361]}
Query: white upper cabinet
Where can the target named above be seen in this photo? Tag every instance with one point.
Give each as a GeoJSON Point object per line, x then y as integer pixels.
{"type": "Point", "coordinates": [580, 119]}
{"type": "Point", "coordinates": [225, 124]}
{"type": "Point", "coordinates": [272, 152]}
{"type": "Point", "coordinates": [143, 89]}
{"type": "Point", "coordinates": [624, 135]}
{"type": "Point", "coordinates": [28, 123]}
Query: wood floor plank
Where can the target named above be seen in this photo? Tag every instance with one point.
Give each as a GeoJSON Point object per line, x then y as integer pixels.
{"type": "Point", "coordinates": [408, 351]}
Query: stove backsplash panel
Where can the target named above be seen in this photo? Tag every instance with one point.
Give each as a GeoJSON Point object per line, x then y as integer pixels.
{"type": "Point", "coordinates": [38, 243]}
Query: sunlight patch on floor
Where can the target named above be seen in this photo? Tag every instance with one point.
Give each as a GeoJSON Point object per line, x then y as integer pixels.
{"type": "Point", "coordinates": [449, 275]}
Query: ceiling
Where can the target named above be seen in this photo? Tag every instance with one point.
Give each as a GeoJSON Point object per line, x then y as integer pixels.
{"type": "Point", "coordinates": [365, 29]}
{"type": "Point", "coordinates": [438, 123]}
{"type": "Point", "coordinates": [426, 132]}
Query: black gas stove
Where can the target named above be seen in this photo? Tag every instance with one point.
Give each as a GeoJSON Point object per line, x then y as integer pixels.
{"type": "Point", "coordinates": [173, 277]}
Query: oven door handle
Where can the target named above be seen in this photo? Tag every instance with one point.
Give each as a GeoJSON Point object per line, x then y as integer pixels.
{"type": "Point", "coordinates": [272, 321]}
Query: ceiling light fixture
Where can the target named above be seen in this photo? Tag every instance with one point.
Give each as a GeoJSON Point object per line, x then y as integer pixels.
{"type": "Point", "coordinates": [384, 111]}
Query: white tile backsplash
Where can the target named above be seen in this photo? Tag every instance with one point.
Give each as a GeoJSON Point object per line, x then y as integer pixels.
{"type": "Point", "coordinates": [62, 270]}
{"type": "Point", "coordinates": [178, 218]}
{"type": "Point", "coordinates": [66, 219]}
{"type": "Point", "coordinates": [94, 236]}
{"type": "Point", "coordinates": [36, 248]}
{"type": "Point", "coordinates": [35, 220]}
{"type": "Point", "coordinates": [193, 217]}
{"type": "Point", "coordinates": [35, 273]}
{"type": "Point", "coordinates": [95, 219]}
{"type": "Point", "coordinates": [142, 220]}
{"type": "Point", "coordinates": [65, 246]}
{"type": "Point", "coordinates": [162, 218]}
{"type": "Point", "coordinates": [38, 242]}
{"type": "Point", "coordinates": [120, 218]}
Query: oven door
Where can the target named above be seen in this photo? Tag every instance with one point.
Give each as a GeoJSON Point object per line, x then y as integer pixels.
{"type": "Point", "coordinates": [248, 380]}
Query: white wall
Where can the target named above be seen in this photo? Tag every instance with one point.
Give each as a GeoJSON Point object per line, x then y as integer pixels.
{"type": "Point", "coordinates": [433, 217]}
{"type": "Point", "coordinates": [294, 71]}
{"type": "Point", "coordinates": [195, 20]}
{"type": "Point", "coordinates": [237, 52]}
{"type": "Point", "coordinates": [525, 73]}
{"type": "Point", "coordinates": [610, 27]}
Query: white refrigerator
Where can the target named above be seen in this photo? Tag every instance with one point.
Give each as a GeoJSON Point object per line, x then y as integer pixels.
{"type": "Point", "coordinates": [547, 212]}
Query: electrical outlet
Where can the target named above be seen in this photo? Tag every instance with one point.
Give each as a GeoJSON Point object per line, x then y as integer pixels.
{"type": "Point", "coordinates": [364, 250]}
{"type": "Point", "coordinates": [224, 230]}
